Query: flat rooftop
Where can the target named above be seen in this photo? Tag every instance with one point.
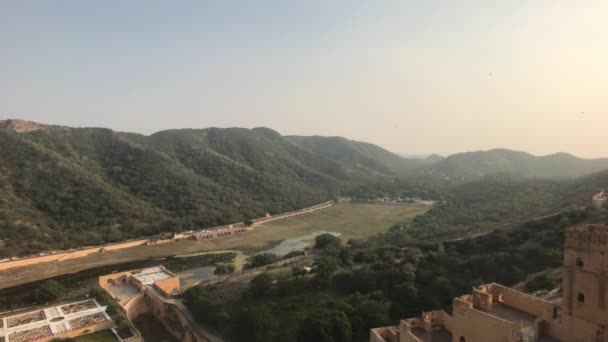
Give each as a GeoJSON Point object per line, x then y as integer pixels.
{"type": "Point", "coordinates": [436, 335]}
{"type": "Point", "coordinates": [148, 276]}
{"type": "Point", "coordinates": [44, 323]}
{"type": "Point", "coordinates": [511, 314]}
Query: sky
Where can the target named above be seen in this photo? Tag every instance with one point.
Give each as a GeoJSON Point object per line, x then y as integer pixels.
{"type": "Point", "coordinates": [415, 77]}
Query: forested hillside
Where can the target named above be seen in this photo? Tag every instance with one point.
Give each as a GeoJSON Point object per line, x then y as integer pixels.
{"type": "Point", "coordinates": [359, 156]}
{"type": "Point", "coordinates": [66, 187]}
{"type": "Point", "coordinates": [63, 187]}
{"type": "Point", "coordinates": [472, 165]}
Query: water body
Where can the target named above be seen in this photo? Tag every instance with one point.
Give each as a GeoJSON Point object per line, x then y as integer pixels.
{"type": "Point", "coordinates": [189, 277]}
{"type": "Point", "coordinates": [298, 243]}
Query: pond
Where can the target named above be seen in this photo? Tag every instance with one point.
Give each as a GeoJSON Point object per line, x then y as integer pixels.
{"type": "Point", "coordinates": [189, 277]}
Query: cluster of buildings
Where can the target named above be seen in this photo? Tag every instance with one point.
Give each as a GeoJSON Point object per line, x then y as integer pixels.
{"type": "Point", "coordinates": [397, 200]}
{"type": "Point", "coordinates": [494, 312]}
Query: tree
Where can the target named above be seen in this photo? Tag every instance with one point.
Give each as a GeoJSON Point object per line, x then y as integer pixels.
{"type": "Point", "coordinates": [224, 269]}
{"type": "Point", "coordinates": [325, 266]}
{"type": "Point", "coordinates": [48, 291]}
{"type": "Point", "coordinates": [293, 254]}
{"type": "Point", "coordinates": [256, 324]}
{"type": "Point", "coordinates": [346, 257]}
{"type": "Point", "coordinates": [540, 282]}
{"type": "Point", "coordinates": [324, 240]}
{"type": "Point", "coordinates": [248, 222]}
{"type": "Point", "coordinates": [412, 255]}
{"type": "Point", "coordinates": [261, 259]}
{"type": "Point", "coordinates": [261, 284]}
{"type": "Point", "coordinates": [201, 303]}
{"type": "Point", "coordinates": [298, 272]}
{"type": "Point", "coordinates": [325, 326]}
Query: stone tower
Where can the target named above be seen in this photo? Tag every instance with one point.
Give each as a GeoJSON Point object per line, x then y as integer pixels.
{"type": "Point", "coordinates": [585, 275]}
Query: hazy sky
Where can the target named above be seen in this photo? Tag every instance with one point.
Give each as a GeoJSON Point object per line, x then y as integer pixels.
{"type": "Point", "coordinates": [415, 77]}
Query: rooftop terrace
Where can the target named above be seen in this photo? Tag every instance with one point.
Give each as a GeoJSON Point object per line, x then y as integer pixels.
{"type": "Point", "coordinates": [436, 335]}
{"type": "Point", "coordinates": [148, 276]}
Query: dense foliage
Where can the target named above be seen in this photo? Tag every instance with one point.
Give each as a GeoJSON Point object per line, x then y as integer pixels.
{"type": "Point", "coordinates": [65, 187]}
{"type": "Point", "coordinates": [384, 282]}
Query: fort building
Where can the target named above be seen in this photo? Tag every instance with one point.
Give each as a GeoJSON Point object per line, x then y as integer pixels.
{"type": "Point", "coordinates": [493, 312]}
{"type": "Point", "coordinates": [155, 290]}
{"type": "Point", "coordinates": [123, 286]}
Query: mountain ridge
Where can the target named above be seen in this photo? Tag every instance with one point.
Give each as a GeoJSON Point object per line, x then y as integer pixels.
{"type": "Point", "coordinates": [63, 187]}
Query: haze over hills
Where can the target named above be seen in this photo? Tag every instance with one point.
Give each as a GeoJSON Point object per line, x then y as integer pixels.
{"type": "Point", "coordinates": [473, 165]}
{"type": "Point", "coordinates": [63, 187]}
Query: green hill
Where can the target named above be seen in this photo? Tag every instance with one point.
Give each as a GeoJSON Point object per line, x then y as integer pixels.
{"type": "Point", "coordinates": [357, 156]}
{"type": "Point", "coordinates": [63, 187]}
{"type": "Point", "coordinates": [471, 165]}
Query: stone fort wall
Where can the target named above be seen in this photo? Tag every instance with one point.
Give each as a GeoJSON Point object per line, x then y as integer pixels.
{"type": "Point", "coordinates": [62, 256]}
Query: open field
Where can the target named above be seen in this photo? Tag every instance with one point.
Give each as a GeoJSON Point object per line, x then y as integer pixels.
{"type": "Point", "coordinates": [352, 220]}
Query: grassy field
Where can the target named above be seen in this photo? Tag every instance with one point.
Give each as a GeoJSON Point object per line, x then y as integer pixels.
{"type": "Point", "coordinates": [352, 220]}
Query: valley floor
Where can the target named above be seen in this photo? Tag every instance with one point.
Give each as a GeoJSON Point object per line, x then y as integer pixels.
{"type": "Point", "coordinates": [350, 220]}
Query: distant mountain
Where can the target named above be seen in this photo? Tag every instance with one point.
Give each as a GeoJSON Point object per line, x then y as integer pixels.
{"type": "Point", "coordinates": [357, 156]}
{"type": "Point", "coordinates": [472, 165]}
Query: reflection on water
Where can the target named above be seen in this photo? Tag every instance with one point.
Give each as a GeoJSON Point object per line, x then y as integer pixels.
{"type": "Point", "coordinates": [191, 276]}
{"type": "Point", "coordinates": [296, 243]}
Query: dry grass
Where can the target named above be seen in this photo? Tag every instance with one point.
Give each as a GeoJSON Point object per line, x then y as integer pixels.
{"type": "Point", "coordinates": [352, 220]}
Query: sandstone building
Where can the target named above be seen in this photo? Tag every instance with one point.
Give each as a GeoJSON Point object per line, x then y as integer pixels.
{"type": "Point", "coordinates": [494, 312]}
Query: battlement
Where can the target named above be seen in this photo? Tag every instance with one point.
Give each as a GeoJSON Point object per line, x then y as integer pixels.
{"type": "Point", "coordinates": [587, 234]}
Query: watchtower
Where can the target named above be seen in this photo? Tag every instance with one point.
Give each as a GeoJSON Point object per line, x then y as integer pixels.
{"type": "Point", "coordinates": [585, 275]}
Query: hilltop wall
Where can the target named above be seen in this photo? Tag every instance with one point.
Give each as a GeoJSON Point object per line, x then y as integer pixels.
{"type": "Point", "coordinates": [62, 256]}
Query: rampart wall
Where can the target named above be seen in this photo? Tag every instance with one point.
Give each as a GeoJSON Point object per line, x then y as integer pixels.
{"type": "Point", "coordinates": [521, 301]}
{"type": "Point", "coordinates": [168, 313]}
{"type": "Point", "coordinates": [479, 326]}
{"type": "Point", "coordinates": [62, 256]}
{"type": "Point", "coordinates": [114, 278]}
{"type": "Point", "coordinates": [569, 328]}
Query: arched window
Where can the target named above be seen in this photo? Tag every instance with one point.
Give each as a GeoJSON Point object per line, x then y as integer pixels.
{"type": "Point", "coordinates": [462, 339]}
{"type": "Point", "coordinates": [579, 262]}
{"type": "Point", "coordinates": [580, 297]}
